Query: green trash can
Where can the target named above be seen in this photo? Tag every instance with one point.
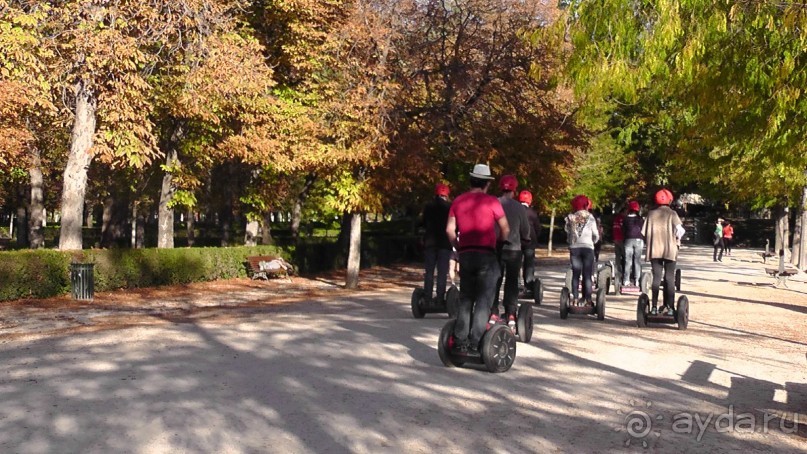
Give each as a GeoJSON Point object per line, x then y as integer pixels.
{"type": "Point", "coordinates": [82, 279]}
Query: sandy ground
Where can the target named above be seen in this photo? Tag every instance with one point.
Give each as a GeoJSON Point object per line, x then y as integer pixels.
{"type": "Point", "coordinates": [250, 366]}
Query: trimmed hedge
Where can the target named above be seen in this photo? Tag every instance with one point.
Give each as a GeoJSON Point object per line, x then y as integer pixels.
{"type": "Point", "coordinates": [46, 273]}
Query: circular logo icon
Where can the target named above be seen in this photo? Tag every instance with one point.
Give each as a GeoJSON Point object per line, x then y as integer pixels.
{"type": "Point", "coordinates": [638, 424]}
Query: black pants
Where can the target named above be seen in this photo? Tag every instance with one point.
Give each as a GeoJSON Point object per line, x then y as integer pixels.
{"type": "Point", "coordinates": [436, 258]}
{"type": "Point", "coordinates": [721, 247]}
{"type": "Point", "coordinates": [510, 265]}
{"type": "Point", "coordinates": [582, 261]}
{"type": "Point", "coordinates": [727, 245]}
{"type": "Point", "coordinates": [663, 268]}
{"type": "Point", "coordinates": [528, 268]}
{"type": "Point", "coordinates": [478, 273]}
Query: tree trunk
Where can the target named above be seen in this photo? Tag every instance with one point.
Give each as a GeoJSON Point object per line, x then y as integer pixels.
{"type": "Point", "coordinates": [115, 221]}
{"type": "Point", "coordinates": [133, 225]}
{"type": "Point", "coordinates": [251, 234]}
{"type": "Point", "coordinates": [106, 218]}
{"type": "Point", "coordinates": [227, 224]}
{"type": "Point", "coordinates": [343, 240]}
{"type": "Point", "coordinates": [782, 230]}
{"type": "Point", "coordinates": [801, 244]}
{"type": "Point", "coordinates": [266, 229]}
{"type": "Point", "coordinates": [165, 215]}
{"type": "Point", "coordinates": [140, 226]}
{"type": "Point", "coordinates": [75, 173]}
{"type": "Point", "coordinates": [37, 212]}
{"type": "Point", "coordinates": [354, 254]}
{"type": "Point", "coordinates": [22, 216]}
{"type": "Point", "coordinates": [190, 226]}
{"type": "Point", "coordinates": [297, 211]}
{"type": "Point", "coordinates": [551, 231]}
{"type": "Point", "coordinates": [88, 215]}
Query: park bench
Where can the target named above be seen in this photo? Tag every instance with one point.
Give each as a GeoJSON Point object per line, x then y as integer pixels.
{"type": "Point", "coordinates": [781, 273]}
{"type": "Point", "coordinates": [266, 266]}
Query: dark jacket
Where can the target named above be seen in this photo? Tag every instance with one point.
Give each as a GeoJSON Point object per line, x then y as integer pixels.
{"type": "Point", "coordinates": [435, 218]}
{"type": "Point", "coordinates": [519, 224]}
{"type": "Point", "coordinates": [632, 226]}
{"type": "Point", "coordinates": [535, 228]}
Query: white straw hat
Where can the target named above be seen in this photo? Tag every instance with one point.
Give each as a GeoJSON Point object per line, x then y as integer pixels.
{"type": "Point", "coordinates": [482, 171]}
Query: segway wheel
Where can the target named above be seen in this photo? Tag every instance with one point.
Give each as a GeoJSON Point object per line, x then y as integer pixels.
{"type": "Point", "coordinates": [452, 301]}
{"type": "Point", "coordinates": [499, 349]}
{"type": "Point", "coordinates": [678, 280]}
{"type": "Point", "coordinates": [601, 304]}
{"type": "Point", "coordinates": [444, 346]}
{"type": "Point", "coordinates": [524, 323]}
{"type": "Point", "coordinates": [642, 309]}
{"type": "Point", "coordinates": [538, 291]}
{"type": "Point", "coordinates": [564, 302]}
{"type": "Point", "coordinates": [645, 281]}
{"type": "Point", "coordinates": [682, 313]}
{"type": "Point", "coordinates": [604, 278]}
{"type": "Point", "coordinates": [417, 297]}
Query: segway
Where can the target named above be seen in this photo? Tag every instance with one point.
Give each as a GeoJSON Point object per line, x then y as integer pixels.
{"type": "Point", "coordinates": [604, 276]}
{"type": "Point", "coordinates": [420, 307]}
{"type": "Point", "coordinates": [497, 349]}
{"type": "Point", "coordinates": [537, 292]}
{"type": "Point", "coordinates": [643, 287]}
{"type": "Point", "coordinates": [599, 290]}
{"type": "Point", "coordinates": [524, 322]}
{"type": "Point", "coordinates": [680, 314]}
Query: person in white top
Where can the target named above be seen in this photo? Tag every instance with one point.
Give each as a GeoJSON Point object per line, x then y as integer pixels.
{"type": "Point", "coordinates": [581, 233]}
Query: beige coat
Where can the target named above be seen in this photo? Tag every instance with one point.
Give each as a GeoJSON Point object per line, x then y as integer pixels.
{"type": "Point", "coordinates": [659, 231]}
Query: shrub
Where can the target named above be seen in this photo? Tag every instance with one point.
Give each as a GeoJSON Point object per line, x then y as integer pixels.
{"type": "Point", "coordinates": [46, 273]}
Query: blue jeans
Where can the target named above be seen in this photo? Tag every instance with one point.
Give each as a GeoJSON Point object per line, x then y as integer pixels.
{"type": "Point", "coordinates": [478, 273]}
{"type": "Point", "coordinates": [510, 265]}
{"type": "Point", "coordinates": [633, 259]}
{"type": "Point", "coordinates": [436, 258]}
{"type": "Point", "coordinates": [582, 263]}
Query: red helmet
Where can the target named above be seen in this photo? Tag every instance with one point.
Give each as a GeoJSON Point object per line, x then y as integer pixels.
{"type": "Point", "coordinates": [633, 205]}
{"type": "Point", "coordinates": [664, 197]}
{"type": "Point", "coordinates": [525, 197]}
{"type": "Point", "coordinates": [508, 183]}
{"type": "Point", "coordinates": [441, 189]}
{"type": "Point", "coordinates": [581, 202]}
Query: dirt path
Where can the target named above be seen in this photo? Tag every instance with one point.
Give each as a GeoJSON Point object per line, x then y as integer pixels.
{"type": "Point", "coordinates": [242, 366]}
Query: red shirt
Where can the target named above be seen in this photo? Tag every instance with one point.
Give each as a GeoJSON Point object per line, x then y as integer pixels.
{"type": "Point", "coordinates": [476, 214]}
{"type": "Point", "coordinates": [728, 232]}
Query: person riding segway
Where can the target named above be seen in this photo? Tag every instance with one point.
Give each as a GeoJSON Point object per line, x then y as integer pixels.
{"type": "Point", "coordinates": [510, 258]}
{"type": "Point", "coordinates": [471, 227]}
{"type": "Point", "coordinates": [663, 231]}
{"type": "Point", "coordinates": [437, 252]}
{"type": "Point", "coordinates": [582, 233]}
{"type": "Point", "coordinates": [533, 287]}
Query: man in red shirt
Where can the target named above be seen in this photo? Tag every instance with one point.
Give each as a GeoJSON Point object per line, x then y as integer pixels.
{"type": "Point", "coordinates": [471, 227]}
